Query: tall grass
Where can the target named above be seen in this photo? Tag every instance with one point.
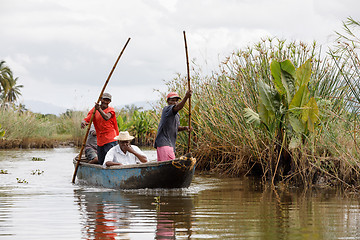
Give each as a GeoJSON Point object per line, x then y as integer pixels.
{"type": "Point", "coordinates": [25, 129]}
{"type": "Point", "coordinates": [68, 126]}
{"type": "Point", "coordinates": [224, 141]}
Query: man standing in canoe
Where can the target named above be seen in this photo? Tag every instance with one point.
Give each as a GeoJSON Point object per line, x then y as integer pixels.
{"type": "Point", "coordinates": [169, 126]}
{"type": "Point", "coordinates": [105, 125]}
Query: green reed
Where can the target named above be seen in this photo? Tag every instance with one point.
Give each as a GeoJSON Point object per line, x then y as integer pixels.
{"type": "Point", "coordinates": [23, 127]}
{"type": "Point", "coordinates": [68, 126]}
{"type": "Point", "coordinates": [224, 141]}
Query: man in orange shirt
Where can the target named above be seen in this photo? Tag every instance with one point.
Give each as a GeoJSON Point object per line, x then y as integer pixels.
{"type": "Point", "coordinates": [105, 125]}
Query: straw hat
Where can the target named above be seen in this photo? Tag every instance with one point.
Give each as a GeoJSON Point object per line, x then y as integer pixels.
{"type": "Point", "coordinates": [124, 136]}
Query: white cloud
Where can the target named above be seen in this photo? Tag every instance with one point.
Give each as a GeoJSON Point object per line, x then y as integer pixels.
{"type": "Point", "coordinates": [69, 47]}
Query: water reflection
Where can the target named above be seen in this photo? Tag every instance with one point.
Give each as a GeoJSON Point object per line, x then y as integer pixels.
{"type": "Point", "coordinates": [49, 206]}
{"type": "Point", "coordinates": [240, 209]}
{"type": "Point", "coordinates": [133, 215]}
{"type": "Point", "coordinates": [174, 218]}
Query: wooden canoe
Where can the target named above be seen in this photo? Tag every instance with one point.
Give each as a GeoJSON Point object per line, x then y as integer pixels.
{"type": "Point", "coordinates": [177, 173]}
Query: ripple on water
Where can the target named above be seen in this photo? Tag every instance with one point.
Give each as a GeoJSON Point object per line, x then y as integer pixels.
{"type": "Point", "coordinates": [49, 206]}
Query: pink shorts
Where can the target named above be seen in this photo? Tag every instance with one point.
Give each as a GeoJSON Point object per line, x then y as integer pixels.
{"type": "Point", "coordinates": [165, 153]}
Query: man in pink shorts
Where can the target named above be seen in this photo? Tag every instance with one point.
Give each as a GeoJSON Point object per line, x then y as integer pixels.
{"type": "Point", "coordinates": [169, 126]}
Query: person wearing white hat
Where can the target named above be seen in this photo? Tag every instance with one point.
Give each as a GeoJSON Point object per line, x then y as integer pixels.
{"type": "Point", "coordinates": [124, 153]}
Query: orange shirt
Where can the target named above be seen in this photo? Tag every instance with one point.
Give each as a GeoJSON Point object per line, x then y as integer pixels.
{"type": "Point", "coordinates": [105, 130]}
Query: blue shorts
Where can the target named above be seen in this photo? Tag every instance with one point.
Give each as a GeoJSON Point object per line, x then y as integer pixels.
{"type": "Point", "coordinates": [101, 151]}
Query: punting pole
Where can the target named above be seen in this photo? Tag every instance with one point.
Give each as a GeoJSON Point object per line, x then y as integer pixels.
{"type": "Point", "coordinates": [92, 116]}
{"type": "Point", "coordinates": [188, 78]}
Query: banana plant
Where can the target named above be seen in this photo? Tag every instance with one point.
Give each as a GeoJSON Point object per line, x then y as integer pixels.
{"type": "Point", "coordinates": [123, 123]}
{"type": "Point", "coordinates": [285, 104]}
{"type": "Point", "coordinates": [143, 124]}
{"type": "Point", "coordinates": [140, 123]}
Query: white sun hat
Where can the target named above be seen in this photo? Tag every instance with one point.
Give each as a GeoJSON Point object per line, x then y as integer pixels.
{"type": "Point", "coordinates": [124, 136]}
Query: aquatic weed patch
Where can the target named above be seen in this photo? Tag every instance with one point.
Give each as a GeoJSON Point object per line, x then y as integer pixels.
{"type": "Point", "coordinates": [19, 180]}
{"type": "Point", "coordinates": [37, 172]}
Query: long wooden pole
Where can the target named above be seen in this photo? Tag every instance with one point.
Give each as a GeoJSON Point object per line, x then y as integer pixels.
{"type": "Point", "coordinates": [93, 114]}
{"type": "Point", "coordinates": [188, 78]}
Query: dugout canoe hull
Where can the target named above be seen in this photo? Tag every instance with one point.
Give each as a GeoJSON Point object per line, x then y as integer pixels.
{"type": "Point", "coordinates": [177, 173]}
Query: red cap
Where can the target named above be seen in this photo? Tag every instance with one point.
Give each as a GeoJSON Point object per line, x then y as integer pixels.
{"type": "Point", "coordinates": [172, 95]}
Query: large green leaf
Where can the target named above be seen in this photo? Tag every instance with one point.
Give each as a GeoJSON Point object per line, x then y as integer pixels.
{"type": "Point", "coordinates": [300, 98]}
{"type": "Point", "coordinates": [275, 69]}
{"type": "Point", "coordinates": [311, 114]}
{"type": "Point", "coordinates": [284, 77]}
{"type": "Point", "coordinates": [296, 123]}
{"type": "Point", "coordinates": [266, 117]}
{"type": "Point", "coordinates": [303, 74]}
{"type": "Point", "coordinates": [267, 96]}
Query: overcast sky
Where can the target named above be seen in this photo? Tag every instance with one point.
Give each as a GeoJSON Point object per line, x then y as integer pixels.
{"type": "Point", "coordinates": [62, 51]}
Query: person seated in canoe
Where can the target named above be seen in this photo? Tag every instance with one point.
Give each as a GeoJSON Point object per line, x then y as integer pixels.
{"type": "Point", "coordinates": [91, 146]}
{"type": "Point", "coordinates": [124, 153]}
{"type": "Point", "coordinates": [169, 126]}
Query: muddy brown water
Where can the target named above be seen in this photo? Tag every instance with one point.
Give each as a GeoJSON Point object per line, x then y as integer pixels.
{"type": "Point", "coordinates": [38, 201]}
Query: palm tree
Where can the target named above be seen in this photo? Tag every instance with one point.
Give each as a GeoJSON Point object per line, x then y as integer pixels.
{"type": "Point", "coordinates": [4, 76]}
{"type": "Point", "coordinates": [9, 89]}
{"type": "Point", "coordinates": [13, 91]}
{"type": "Point", "coordinates": [21, 108]}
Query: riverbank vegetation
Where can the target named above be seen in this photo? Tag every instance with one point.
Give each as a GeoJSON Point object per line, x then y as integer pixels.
{"type": "Point", "coordinates": [286, 112]}
{"type": "Point", "coordinates": [33, 130]}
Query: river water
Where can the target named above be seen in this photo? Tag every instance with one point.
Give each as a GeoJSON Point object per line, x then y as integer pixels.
{"type": "Point", "coordinates": [38, 201]}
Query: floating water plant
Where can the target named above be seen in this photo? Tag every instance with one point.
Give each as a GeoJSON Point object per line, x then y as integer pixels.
{"type": "Point", "coordinates": [157, 201]}
{"type": "Point", "coordinates": [37, 172]}
{"type": "Point", "coordinates": [37, 159]}
{"type": "Point", "coordinates": [3, 171]}
{"type": "Point", "coordinates": [21, 180]}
